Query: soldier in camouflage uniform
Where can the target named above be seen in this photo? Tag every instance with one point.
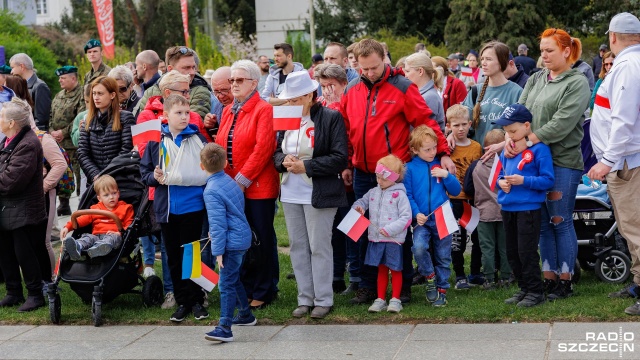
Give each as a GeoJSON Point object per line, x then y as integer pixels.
{"type": "Point", "coordinates": [93, 49]}
{"type": "Point", "coordinates": [64, 108]}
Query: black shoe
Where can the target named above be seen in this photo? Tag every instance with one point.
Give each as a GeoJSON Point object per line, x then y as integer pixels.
{"type": "Point", "coordinates": [364, 296]}
{"type": "Point", "coordinates": [549, 286]}
{"type": "Point", "coordinates": [531, 299]}
{"type": "Point", "coordinates": [418, 279]}
{"type": "Point", "coordinates": [632, 290]}
{"type": "Point", "coordinates": [180, 314]}
{"type": "Point", "coordinates": [291, 276]}
{"type": "Point", "coordinates": [405, 295]}
{"type": "Point", "coordinates": [338, 286]}
{"type": "Point", "coordinates": [562, 291]}
{"type": "Point", "coordinates": [199, 312]}
{"type": "Point", "coordinates": [64, 209]}
{"type": "Point", "coordinates": [353, 287]}
{"type": "Point", "coordinates": [11, 300]}
{"type": "Point", "coordinates": [32, 303]}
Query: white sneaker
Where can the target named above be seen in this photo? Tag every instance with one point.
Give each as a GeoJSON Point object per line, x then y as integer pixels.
{"type": "Point", "coordinates": [169, 301]}
{"type": "Point", "coordinates": [148, 271]}
{"type": "Point", "coordinates": [395, 305]}
{"type": "Point", "coordinates": [378, 305]}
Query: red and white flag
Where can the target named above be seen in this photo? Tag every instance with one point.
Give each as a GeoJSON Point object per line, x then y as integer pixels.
{"type": "Point", "coordinates": [146, 131]}
{"type": "Point", "coordinates": [287, 117]}
{"type": "Point", "coordinates": [354, 224]}
{"type": "Point", "coordinates": [445, 221]}
{"type": "Point", "coordinates": [470, 217]}
{"type": "Point", "coordinates": [495, 172]}
{"type": "Point", "coordinates": [103, 10]}
{"type": "Point", "coordinates": [466, 71]}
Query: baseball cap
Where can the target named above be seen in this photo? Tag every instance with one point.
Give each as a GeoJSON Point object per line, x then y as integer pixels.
{"type": "Point", "coordinates": [515, 113]}
{"type": "Point", "coordinates": [317, 57]}
{"type": "Point", "coordinates": [453, 56]}
{"type": "Point", "coordinates": [624, 23]}
{"type": "Point", "coordinates": [603, 47]}
{"type": "Point", "coordinates": [523, 47]}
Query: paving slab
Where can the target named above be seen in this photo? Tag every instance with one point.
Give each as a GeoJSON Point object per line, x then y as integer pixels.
{"type": "Point", "coordinates": [67, 333]}
{"type": "Point", "coordinates": [48, 349]}
{"type": "Point", "coordinates": [344, 333]}
{"type": "Point", "coordinates": [8, 332]}
{"type": "Point", "coordinates": [327, 350]}
{"type": "Point", "coordinates": [195, 334]}
{"type": "Point", "coordinates": [462, 348]}
{"type": "Point", "coordinates": [201, 349]}
{"type": "Point", "coordinates": [471, 332]}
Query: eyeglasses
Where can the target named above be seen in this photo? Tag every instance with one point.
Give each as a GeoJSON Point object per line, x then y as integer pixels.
{"type": "Point", "coordinates": [222, 92]}
{"type": "Point", "coordinates": [183, 92]}
{"type": "Point", "coordinates": [123, 89]}
{"type": "Point", "coordinates": [238, 81]}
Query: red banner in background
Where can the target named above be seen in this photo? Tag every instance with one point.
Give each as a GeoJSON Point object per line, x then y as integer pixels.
{"type": "Point", "coordinates": [103, 9]}
{"type": "Point", "coordinates": [185, 21]}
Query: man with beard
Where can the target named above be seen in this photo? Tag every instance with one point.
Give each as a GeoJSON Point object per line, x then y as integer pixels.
{"type": "Point", "coordinates": [263, 64]}
{"type": "Point", "coordinates": [283, 56]}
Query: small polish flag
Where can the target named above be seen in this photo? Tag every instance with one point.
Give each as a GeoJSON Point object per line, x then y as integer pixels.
{"type": "Point", "coordinates": [208, 278]}
{"type": "Point", "coordinates": [495, 172]}
{"type": "Point", "coordinates": [466, 71]}
{"type": "Point", "coordinates": [354, 224]}
{"type": "Point", "coordinates": [445, 221]}
{"type": "Point", "coordinates": [193, 268]}
{"type": "Point", "coordinates": [287, 117]}
{"type": "Point", "coordinates": [470, 217]}
{"type": "Point", "coordinates": [146, 131]}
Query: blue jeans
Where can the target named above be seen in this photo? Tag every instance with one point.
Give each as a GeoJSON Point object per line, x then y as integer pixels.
{"type": "Point", "coordinates": [558, 240]}
{"type": "Point", "coordinates": [166, 275]}
{"type": "Point", "coordinates": [232, 292]}
{"type": "Point", "coordinates": [425, 237]}
{"type": "Point", "coordinates": [148, 250]}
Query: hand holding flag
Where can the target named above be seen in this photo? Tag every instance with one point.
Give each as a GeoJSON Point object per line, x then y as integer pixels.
{"type": "Point", "coordinates": [354, 224]}
{"type": "Point", "coordinates": [495, 172]}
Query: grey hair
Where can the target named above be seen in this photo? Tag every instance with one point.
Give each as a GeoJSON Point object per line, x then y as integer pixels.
{"type": "Point", "coordinates": [22, 58]}
{"type": "Point", "coordinates": [249, 66]}
{"type": "Point", "coordinates": [121, 72]}
{"type": "Point", "coordinates": [17, 110]}
{"type": "Point", "coordinates": [330, 71]}
{"type": "Point", "coordinates": [172, 77]}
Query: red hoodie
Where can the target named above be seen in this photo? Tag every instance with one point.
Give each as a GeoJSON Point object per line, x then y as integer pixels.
{"type": "Point", "coordinates": [378, 117]}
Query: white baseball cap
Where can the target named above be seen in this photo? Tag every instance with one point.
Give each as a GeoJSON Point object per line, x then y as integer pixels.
{"type": "Point", "coordinates": [624, 23]}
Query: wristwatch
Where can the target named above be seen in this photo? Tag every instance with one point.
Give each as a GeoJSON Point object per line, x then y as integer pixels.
{"type": "Point", "coordinates": [528, 142]}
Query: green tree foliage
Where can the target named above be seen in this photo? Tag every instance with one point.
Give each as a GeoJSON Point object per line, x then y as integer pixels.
{"type": "Point", "coordinates": [210, 56]}
{"type": "Point", "coordinates": [400, 46]}
{"type": "Point", "coordinates": [240, 13]}
{"type": "Point", "coordinates": [475, 22]}
{"type": "Point", "coordinates": [17, 38]}
{"type": "Point", "coordinates": [301, 46]}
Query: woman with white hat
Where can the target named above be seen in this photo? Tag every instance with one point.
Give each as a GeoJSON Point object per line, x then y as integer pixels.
{"type": "Point", "coordinates": [311, 158]}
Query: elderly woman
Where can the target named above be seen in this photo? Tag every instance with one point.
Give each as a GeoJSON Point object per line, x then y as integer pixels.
{"type": "Point", "coordinates": [127, 96]}
{"type": "Point", "coordinates": [557, 97]}
{"type": "Point", "coordinates": [333, 80]}
{"type": "Point", "coordinates": [22, 209]}
{"type": "Point", "coordinates": [246, 131]}
{"type": "Point", "coordinates": [419, 69]}
{"type": "Point", "coordinates": [311, 159]}
{"type": "Point", "coordinates": [107, 131]}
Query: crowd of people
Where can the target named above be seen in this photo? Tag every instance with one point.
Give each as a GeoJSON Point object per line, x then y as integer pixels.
{"type": "Point", "coordinates": [394, 143]}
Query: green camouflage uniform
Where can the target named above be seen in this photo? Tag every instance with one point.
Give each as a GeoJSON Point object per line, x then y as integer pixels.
{"type": "Point", "coordinates": [64, 108]}
{"type": "Point", "coordinates": [103, 70]}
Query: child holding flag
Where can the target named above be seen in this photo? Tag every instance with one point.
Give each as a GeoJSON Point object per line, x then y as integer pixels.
{"type": "Point", "coordinates": [427, 186]}
{"type": "Point", "coordinates": [390, 215]}
{"type": "Point", "coordinates": [172, 166]}
{"type": "Point", "coordinates": [524, 181]}
{"type": "Point", "coordinates": [230, 236]}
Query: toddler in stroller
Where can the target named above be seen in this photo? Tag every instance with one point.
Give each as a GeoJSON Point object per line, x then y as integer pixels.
{"type": "Point", "coordinates": [105, 235]}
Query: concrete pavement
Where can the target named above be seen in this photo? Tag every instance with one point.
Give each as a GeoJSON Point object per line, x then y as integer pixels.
{"type": "Point", "coordinates": [424, 341]}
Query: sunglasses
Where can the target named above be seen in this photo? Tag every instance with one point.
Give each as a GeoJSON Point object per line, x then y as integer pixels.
{"type": "Point", "coordinates": [123, 89]}
{"type": "Point", "coordinates": [608, 64]}
{"type": "Point", "coordinates": [222, 92]}
{"type": "Point", "coordinates": [183, 92]}
{"type": "Point", "coordinates": [238, 81]}
{"type": "Point", "coordinates": [183, 51]}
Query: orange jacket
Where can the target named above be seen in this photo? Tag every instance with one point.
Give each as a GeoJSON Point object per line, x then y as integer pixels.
{"type": "Point", "coordinates": [101, 224]}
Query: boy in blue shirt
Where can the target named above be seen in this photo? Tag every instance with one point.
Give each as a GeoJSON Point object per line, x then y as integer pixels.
{"type": "Point", "coordinates": [524, 181]}
{"type": "Point", "coordinates": [427, 185]}
{"type": "Point", "coordinates": [230, 238]}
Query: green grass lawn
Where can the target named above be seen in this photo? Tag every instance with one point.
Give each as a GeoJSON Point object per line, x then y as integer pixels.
{"type": "Point", "coordinates": [590, 303]}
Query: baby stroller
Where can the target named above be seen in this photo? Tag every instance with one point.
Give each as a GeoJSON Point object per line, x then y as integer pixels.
{"type": "Point", "coordinates": [601, 248]}
{"type": "Point", "coordinates": [101, 279]}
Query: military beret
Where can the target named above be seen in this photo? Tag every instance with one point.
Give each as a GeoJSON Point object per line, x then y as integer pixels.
{"type": "Point", "coordinates": [5, 69]}
{"type": "Point", "coordinates": [91, 44]}
{"type": "Point", "coordinates": [66, 70]}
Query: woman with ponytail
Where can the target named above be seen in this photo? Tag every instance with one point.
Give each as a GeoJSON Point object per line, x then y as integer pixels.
{"type": "Point", "coordinates": [419, 69]}
{"type": "Point", "coordinates": [557, 96]}
{"type": "Point", "coordinates": [489, 99]}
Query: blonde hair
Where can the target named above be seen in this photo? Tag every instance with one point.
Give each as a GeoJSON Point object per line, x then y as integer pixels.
{"type": "Point", "coordinates": [421, 60]}
{"type": "Point", "coordinates": [172, 77]}
{"type": "Point", "coordinates": [457, 111]}
{"type": "Point", "coordinates": [493, 137]}
{"type": "Point", "coordinates": [421, 134]}
{"type": "Point", "coordinates": [213, 158]}
{"type": "Point", "coordinates": [104, 183]}
{"type": "Point", "coordinates": [394, 164]}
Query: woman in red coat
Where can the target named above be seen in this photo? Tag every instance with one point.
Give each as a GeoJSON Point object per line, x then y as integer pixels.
{"type": "Point", "coordinates": [246, 131]}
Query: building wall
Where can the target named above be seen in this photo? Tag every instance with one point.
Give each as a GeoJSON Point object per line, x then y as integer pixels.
{"type": "Point", "coordinates": [54, 11]}
{"type": "Point", "coordinates": [25, 7]}
{"type": "Point", "coordinates": [274, 18]}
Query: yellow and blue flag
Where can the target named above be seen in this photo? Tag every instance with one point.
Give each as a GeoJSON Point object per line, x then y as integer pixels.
{"type": "Point", "coordinates": [193, 268]}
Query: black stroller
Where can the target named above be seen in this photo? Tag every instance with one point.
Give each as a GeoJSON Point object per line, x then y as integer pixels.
{"type": "Point", "coordinates": [102, 279]}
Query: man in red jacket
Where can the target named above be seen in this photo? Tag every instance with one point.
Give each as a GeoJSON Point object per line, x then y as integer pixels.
{"type": "Point", "coordinates": [379, 111]}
